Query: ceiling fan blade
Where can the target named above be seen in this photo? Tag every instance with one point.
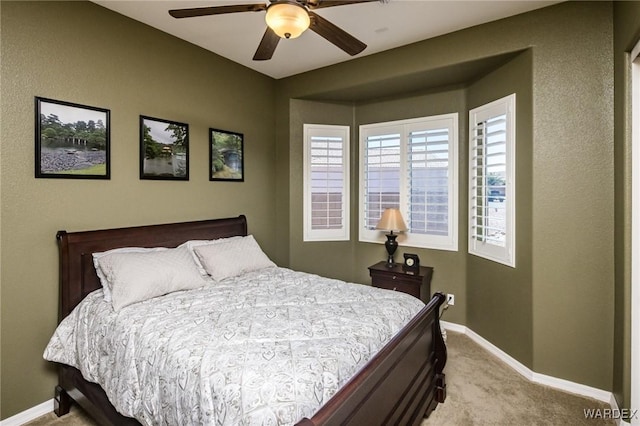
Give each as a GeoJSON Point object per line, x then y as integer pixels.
{"type": "Point", "coordinates": [336, 35]}
{"type": "Point", "coordinates": [267, 46]}
{"type": "Point", "coordinates": [318, 4]}
{"type": "Point", "coordinates": [216, 10]}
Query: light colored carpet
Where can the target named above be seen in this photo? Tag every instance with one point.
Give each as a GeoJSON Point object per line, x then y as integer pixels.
{"type": "Point", "coordinates": [481, 390]}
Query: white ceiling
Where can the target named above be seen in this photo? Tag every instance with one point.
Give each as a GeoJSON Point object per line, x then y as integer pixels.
{"type": "Point", "coordinates": [381, 25]}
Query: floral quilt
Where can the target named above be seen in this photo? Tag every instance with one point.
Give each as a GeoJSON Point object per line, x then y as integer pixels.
{"type": "Point", "coordinates": [265, 348]}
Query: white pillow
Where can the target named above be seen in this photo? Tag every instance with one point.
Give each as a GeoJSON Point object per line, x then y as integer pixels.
{"type": "Point", "coordinates": [134, 277]}
{"type": "Point", "coordinates": [191, 244]}
{"type": "Point", "coordinates": [103, 280]}
{"type": "Point", "coordinates": [232, 258]}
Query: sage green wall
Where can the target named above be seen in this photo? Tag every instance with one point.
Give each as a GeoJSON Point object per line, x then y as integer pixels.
{"type": "Point", "coordinates": [573, 263]}
{"type": "Point", "coordinates": [568, 327]}
{"type": "Point", "coordinates": [499, 294]}
{"type": "Point", "coordinates": [83, 53]}
{"type": "Point", "coordinates": [626, 35]}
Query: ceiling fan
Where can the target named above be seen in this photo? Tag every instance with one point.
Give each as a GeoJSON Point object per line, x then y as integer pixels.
{"type": "Point", "coordinates": [287, 19]}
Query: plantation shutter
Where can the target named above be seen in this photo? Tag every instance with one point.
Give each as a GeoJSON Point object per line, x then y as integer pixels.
{"type": "Point", "coordinates": [382, 176]}
{"type": "Point", "coordinates": [489, 157]}
{"type": "Point", "coordinates": [492, 181]}
{"type": "Point", "coordinates": [428, 165]}
{"type": "Point", "coordinates": [326, 183]}
{"type": "Point", "coordinates": [411, 165]}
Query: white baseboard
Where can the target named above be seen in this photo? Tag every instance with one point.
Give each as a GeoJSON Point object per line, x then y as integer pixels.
{"type": "Point", "coordinates": [28, 415]}
{"type": "Point", "coordinates": [553, 382]}
{"type": "Point", "coordinates": [452, 326]}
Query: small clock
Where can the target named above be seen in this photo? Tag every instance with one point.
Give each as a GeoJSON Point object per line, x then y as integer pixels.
{"type": "Point", "coordinates": [411, 261]}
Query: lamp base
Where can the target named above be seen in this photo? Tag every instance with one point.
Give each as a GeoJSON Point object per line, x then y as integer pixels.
{"type": "Point", "coordinates": [390, 262]}
{"type": "Point", "coordinates": [391, 244]}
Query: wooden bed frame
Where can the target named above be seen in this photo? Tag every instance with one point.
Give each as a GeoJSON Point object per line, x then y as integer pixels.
{"type": "Point", "coordinates": [400, 385]}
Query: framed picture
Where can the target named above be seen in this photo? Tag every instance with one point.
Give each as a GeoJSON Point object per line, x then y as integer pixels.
{"type": "Point", "coordinates": [164, 149]}
{"type": "Point", "coordinates": [226, 156]}
{"type": "Point", "coordinates": [72, 141]}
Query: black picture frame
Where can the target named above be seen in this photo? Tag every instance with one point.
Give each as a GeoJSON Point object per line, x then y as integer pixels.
{"type": "Point", "coordinates": [72, 141]}
{"type": "Point", "coordinates": [164, 149]}
{"type": "Point", "coordinates": [226, 155]}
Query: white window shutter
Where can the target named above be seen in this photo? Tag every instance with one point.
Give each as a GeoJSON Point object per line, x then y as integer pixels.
{"type": "Point", "coordinates": [326, 183]}
{"type": "Point", "coordinates": [411, 165]}
{"type": "Point", "coordinates": [492, 181]}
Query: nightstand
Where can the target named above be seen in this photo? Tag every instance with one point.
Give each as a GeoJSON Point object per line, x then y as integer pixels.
{"type": "Point", "coordinates": [416, 283]}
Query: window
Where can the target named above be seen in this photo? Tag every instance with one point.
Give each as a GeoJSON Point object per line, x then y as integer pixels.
{"type": "Point", "coordinates": [492, 181]}
{"type": "Point", "coordinates": [326, 183]}
{"type": "Point", "coordinates": [411, 165]}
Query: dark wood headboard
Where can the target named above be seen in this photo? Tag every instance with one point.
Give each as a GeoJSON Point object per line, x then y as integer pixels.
{"type": "Point", "coordinates": [77, 274]}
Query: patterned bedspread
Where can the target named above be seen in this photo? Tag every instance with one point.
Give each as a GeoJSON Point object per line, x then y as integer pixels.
{"type": "Point", "coordinates": [267, 348]}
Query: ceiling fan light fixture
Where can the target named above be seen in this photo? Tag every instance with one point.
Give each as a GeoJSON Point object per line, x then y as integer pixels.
{"type": "Point", "coordinates": [287, 19]}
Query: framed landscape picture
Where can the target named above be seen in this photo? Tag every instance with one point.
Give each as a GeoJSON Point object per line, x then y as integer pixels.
{"type": "Point", "coordinates": [164, 149]}
{"type": "Point", "coordinates": [72, 140]}
{"type": "Point", "coordinates": [226, 156]}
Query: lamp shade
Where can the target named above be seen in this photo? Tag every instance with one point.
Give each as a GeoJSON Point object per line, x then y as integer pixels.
{"type": "Point", "coordinates": [392, 220]}
{"type": "Point", "coordinates": [287, 19]}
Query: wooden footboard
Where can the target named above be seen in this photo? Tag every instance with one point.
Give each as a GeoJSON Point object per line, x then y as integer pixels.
{"type": "Point", "coordinates": [400, 385]}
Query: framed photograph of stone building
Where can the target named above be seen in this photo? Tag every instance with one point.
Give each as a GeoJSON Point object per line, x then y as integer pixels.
{"type": "Point", "coordinates": [226, 156]}
{"type": "Point", "coordinates": [72, 140]}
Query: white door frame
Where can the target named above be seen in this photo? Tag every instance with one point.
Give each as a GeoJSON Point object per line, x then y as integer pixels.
{"type": "Point", "coordinates": [635, 231]}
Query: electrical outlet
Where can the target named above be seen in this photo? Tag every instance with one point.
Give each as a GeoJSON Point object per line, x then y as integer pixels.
{"type": "Point", "coordinates": [451, 299]}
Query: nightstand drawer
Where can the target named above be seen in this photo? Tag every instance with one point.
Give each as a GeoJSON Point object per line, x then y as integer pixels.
{"type": "Point", "coordinates": [415, 282]}
{"type": "Point", "coordinates": [397, 284]}
{"type": "Point", "coordinates": [394, 279]}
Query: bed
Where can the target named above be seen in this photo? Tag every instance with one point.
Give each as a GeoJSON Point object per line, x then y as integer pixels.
{"type": "Point", "coordinates": [400, 384]}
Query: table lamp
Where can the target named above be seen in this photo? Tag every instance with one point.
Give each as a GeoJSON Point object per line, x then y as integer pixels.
{"type": "Point", "coordinates": [391, 220]}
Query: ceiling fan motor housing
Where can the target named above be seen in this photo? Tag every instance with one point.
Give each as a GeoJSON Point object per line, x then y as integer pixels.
{"type": "Point", "coordinates": [288, 19]}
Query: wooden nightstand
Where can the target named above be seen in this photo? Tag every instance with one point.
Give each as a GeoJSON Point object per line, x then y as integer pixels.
{"type": "Point", "coordinates": [416, 283]}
